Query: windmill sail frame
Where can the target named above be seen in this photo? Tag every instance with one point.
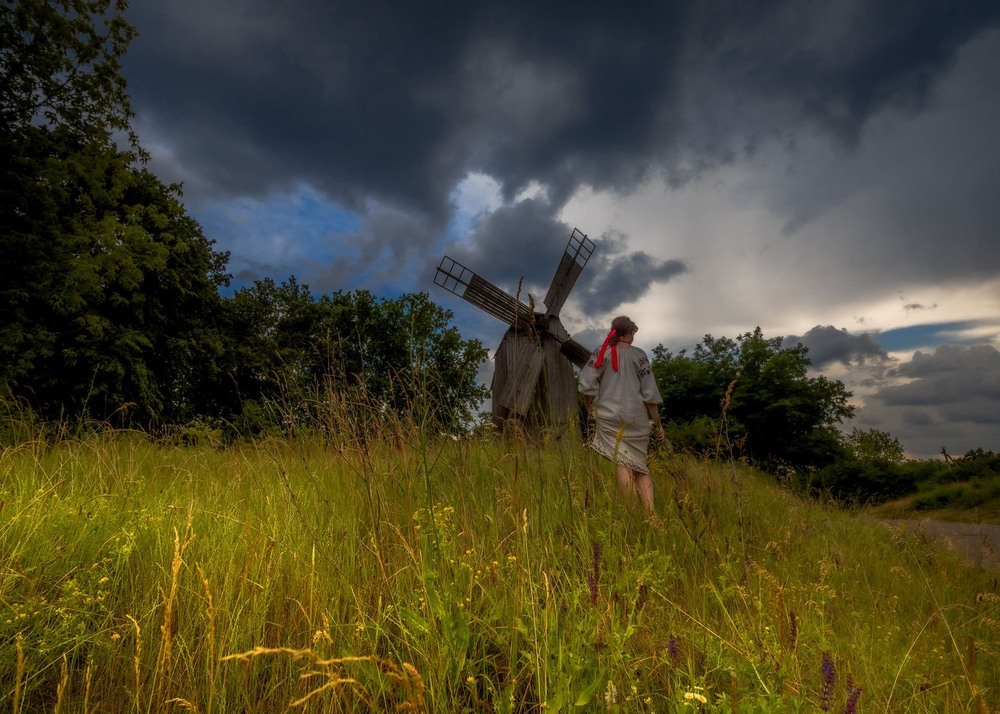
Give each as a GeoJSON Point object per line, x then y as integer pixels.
{"type": "Point", "coordinates": [574, 259]}
{"type": "Point", "coordinates": [463, 282]}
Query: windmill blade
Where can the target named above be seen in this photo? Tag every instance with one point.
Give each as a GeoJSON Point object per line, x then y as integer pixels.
{"type": "Point", "coordinates": [459, 280]}
{"type": "Point", "coordinates": [577, 353]}
{"type": "Point", "coordinates": [577, 253]}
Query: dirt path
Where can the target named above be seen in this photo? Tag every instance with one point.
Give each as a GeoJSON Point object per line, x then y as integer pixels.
{"type": "Point", "coordinates": [978, 543]}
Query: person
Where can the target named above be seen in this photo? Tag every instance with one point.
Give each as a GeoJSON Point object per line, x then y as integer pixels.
{"type": "Point", "coordinates": [621, 397]}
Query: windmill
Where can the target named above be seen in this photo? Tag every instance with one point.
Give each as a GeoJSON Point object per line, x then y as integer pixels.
{"type": "Point", "coordinates": [533, 379]}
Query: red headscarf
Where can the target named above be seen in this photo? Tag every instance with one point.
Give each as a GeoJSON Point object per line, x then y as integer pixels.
{"type": "Point", "coordinates": [620, 327]}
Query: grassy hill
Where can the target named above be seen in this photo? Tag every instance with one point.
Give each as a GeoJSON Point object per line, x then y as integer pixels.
{"type": "Point", "coordinates": [409, 573]}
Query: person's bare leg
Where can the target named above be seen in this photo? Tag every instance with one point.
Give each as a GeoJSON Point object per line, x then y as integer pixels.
{"type": "Point", "coordinates": [626, 486]}
{"type": "Point", "coordinates": [644, 485]}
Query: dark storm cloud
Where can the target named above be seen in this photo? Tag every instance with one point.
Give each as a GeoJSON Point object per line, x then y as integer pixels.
{"type": "Point", "coordinates": [516, 245]}
{"type": "Point", "coordinates": [828, 345]}
{"type": "Point", "coordinates": [616, 276]}
{"type": "Point", "coordinates": [397, 101]}
{"type": "Point", "coordinates": [949, 397]}
{"type": "Point", "coordinates": [952, 375]}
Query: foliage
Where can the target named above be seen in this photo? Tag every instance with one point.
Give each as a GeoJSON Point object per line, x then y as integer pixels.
{"type": "Point", "coordinates": [963, 489]}
{"type": "Point", "coordinates": [855, 481]}
{"type": "Point", "coordinates": [111, 291]}
{"type": "Point", "coordinates": [873, 445]}
{"type": "Point", "coordinates": [60, 68]}
{"type": "Point", "coordinates": [286, 347]}
{"type": "Point", "coordinates": [778, 414]}
{"type": "Point", "coordinates": [418, 573]}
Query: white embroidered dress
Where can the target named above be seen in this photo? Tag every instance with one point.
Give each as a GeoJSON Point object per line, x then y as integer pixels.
{"type": "Point", "coordinates": [620, 399]}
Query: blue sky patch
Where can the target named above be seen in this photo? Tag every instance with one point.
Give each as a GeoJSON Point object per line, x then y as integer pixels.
{"type": "Point", "coordinates": [903, 339]}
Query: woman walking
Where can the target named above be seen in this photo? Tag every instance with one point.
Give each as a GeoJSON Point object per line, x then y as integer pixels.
{"type": "Point", "coordinates": [622, 398]}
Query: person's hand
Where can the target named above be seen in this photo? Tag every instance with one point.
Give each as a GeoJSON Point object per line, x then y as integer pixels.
{"type": "Point", "coordinates": [658, 434]}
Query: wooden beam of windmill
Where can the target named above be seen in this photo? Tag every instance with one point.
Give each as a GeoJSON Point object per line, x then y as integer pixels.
{"type": "Point", "coordinates": [459, 280]}
{"type": "Point", "coordinates": [575, 257]}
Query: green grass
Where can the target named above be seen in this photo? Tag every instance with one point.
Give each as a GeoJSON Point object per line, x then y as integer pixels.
{"type": "Point", "coordinates": [409, 573]}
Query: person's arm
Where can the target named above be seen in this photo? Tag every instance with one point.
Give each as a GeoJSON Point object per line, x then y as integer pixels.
{"type": "Point", "coordinates": [654, 417]}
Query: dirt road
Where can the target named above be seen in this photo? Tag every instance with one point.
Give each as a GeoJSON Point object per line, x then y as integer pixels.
{"type": "Point", "coordinates": [980, 544]}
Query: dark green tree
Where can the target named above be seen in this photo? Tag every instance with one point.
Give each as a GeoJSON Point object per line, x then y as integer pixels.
{"type": "Point", "coordinates": [757, 395]}
{"type": "Point", "coordinates": [873, 445]}
{"type": "Point", "coordinates": [285, 346]}
{"type": "Point", "coordinates": [110, 291]}
{"type": "Point", "coordinates": [60, 66]}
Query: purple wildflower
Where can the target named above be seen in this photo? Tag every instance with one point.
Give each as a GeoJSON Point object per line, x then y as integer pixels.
{"type": "Point", "coordinates": [673, 649]}
{"type": "Point", "coordinates": [852, 700]}
{"type": "Point", "coordinates": [829, 678]}
{"type": "Point", "coordinates": [793, 628]}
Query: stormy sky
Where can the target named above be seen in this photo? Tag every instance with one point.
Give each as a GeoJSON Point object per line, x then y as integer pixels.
{"type": "Point", "coordinates": [826, 171]}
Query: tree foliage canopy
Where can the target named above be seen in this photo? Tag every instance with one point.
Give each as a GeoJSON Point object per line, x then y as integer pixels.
{"type": "Point", "coordinates": [403, 353]}
{"type": "Point", "coordinates": [60, 66]}
{"type": "Point", "coordinates": [755, 391]}
{"type": "Point", "coordinates": [111, 290]}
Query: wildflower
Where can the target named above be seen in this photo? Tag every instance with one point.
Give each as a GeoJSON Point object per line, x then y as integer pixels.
{"type": "Point", "coordinates": [103, 580]}
{"type": "Point", "coordinates": [470, 679]}
{"type": "Point", "coordinates": [852, 700]}
{"type": "Point", "coordinates": [690, 696]}
{"type": "Point", "coordinates": [793, 628]}
{"type": "Point", "coordinates": [610, 693]}
{"type": "Point", "coordinates": [115, 636]}
{"type": "Point", "coordinates": [673, 649]}
{"type": "Point", "coordinates": [511, 558]}
{"type": "Point", "coordinates": [829, 678]}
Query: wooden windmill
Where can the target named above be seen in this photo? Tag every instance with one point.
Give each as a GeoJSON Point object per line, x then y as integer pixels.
{"type": "Point", "coordinates": [533, 378]}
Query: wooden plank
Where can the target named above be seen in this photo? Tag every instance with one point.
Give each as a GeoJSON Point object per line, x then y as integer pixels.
{"type": "Point", "coordinates": [562, 283]}
{"type": "Point", "coordinates": [518, 363]}
{"type": "Point", "coordinates": [579, 248]}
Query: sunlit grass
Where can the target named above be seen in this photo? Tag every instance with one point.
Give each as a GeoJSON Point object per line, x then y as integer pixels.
{"type": "Point", "coordinates": [409, 572]}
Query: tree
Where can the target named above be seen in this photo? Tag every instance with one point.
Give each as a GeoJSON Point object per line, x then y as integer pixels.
{"type": "Point", "coordinates": [286, 346]}
{"type": "Point", "coordinates": [775, 411]}
{"type": "Point", "coordinates": [110, 291]}
{"type": "Point", "coordinates": [60, 66]}
{"type": "Point", "coordinates": [873, 445]}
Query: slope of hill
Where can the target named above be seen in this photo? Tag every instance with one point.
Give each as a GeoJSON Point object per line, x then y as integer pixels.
{"type": "Point", "coordinates": [372, 574]}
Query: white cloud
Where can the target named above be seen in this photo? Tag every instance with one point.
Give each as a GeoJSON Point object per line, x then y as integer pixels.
{"type": "Point", "coordinates": [474, 196]}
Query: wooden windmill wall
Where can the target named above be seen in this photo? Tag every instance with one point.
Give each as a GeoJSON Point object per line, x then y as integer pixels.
{"type": "Point", "coordinates": [534, 383]}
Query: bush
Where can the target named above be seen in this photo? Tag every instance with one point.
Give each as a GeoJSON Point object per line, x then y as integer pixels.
{"type": "Point", "coordinates": [856, 481]}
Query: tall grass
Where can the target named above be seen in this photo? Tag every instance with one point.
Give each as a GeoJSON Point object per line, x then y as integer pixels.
{"type": "Point", "coordinates": [402, 571]}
